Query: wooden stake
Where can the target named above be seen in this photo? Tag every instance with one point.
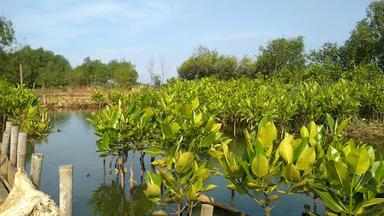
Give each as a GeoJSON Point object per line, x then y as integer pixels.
{"type": "Point", "coordinates": [36, 167]}
{"type": "Point", "coordinates": [65, 203]}
{"type": "Point", "coordinates": [8, 126]}
{"type": "Point", "coordinates": [5, 145]}
{"type": "Point", "coordinates": [21, 73]}
{"type": "Point", "coordinates": [21, 150]}
{"type": "Point", "coordinates": [13, 148]}
{"type": "Point", "coordinates": [206, 210]}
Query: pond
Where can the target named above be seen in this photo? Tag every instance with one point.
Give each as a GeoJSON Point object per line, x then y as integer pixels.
{"type": "Point", "coordinates": [94, 193]}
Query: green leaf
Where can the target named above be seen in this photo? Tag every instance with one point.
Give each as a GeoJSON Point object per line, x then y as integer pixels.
{"type": "Point", "coordinates": [285, 149]}
{"type": "Point", "coordinates": [216, 128]}
{"type": "Point", "coordinates": [210, 187]}
{"type": "Point", "coordinates": [312, 133]}
{"type": "Point", "coordinates": [373, 201]}
{"type": "Point", "coordinates": [290, 173]}
{"type": "Point", "coordinates": [260, 166]}
{"type": "Point", "coordinates": [337, 173]}
{"type": "Point", "coordinates": [300, 148]}
{"type": "Point", "coordinates": [152, 190]}
{"type": "Point", "coordinates": [358, 161]}
{"type": "Point", "coordinates": [342, 125]}
{"type": "Point", "coordinates": [167, 131]}
{"type": "Point", "coordinates": [267, 134]}
{"type": "Point", "coordinates": [184, 162]}
{"type": "Point", "coordinates": [330, 122]}
{"type": "Point", "coordinates": [208, 140]}
{"type": "Point", "coordinates": [331, 202]}
{"type": "Point", "coordinates": [377, 170]}
{"type": "Point", "coordinates": [175, 128]}
{"type": "Point", "coordinates": [195, 104]}
{"type": "Point", "coordinates": [333, 154]}
{"type": "Point", "coordinates": [304, 132]}
{"type": "Point", "coordinates": [154, 151]}
{"type": "Point", "coordinates": [306, 159]}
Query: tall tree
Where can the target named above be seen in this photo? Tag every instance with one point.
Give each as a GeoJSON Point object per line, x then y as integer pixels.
{"type": "Point", "coordinates": [7, 34]}
{"type": "Point", "coordinates": [366, 43]}
{"type": "Point", "coordinates": [41, 68]}
{"type": "Point", "coordinates": [122, 73]}
{"type": "Point", "coordinates": [281, 53]}
{"type": "Point", "coordinates": [205, 63]}
{"type": "Point", "coordinates": [90, 72]}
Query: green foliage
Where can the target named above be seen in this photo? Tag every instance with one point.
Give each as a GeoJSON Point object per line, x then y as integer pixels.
{"type": "Point", "coordinates": [90, 72]}
{"type": "Point", "coordinates": [6, 33]}
{"type": "Point", "coordinates": [365, 44]}
{"type": "Point", "coordinates": [206, 63]}
{"type": "Point", "coordinates": [20, 106]}
{"type": "Point", "coordinates": [41, 68]}
{"type": "Point", "coordinates": [123, 73]}
{"type": "Point", "coordinates": [281, 53]}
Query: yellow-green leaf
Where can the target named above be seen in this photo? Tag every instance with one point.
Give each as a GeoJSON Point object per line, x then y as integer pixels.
{"type": "Point", "coordinates": [304, 132]}
{"type": "Point", "coordinates": [175, 128]}
{"type": "Point", "coordinates": [306, 159]}
{"type": "Point", "coordinates": [260, 166]}
{"type": "Point", "coordinates": [184, 162]}
{"type": "Point", "coordinates": [267, 134]}
{"type": "Point", "coordinates": [285, 149]}
{"type": "Point", "coordinates": [358, 161]}
{"type": "Point", "coordinates": [290, 173]}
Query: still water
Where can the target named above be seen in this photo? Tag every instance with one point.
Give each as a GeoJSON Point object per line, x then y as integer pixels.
{"type": "Point", "coordinates": [94, 193]}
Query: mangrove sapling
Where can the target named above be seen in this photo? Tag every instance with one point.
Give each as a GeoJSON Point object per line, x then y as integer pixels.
{"type": "Point", "coordinates": [350, 181]}
{"type": "Point", "coordinates": [188, 135]}
{"type": "Point", "coordinates": [257, 171]}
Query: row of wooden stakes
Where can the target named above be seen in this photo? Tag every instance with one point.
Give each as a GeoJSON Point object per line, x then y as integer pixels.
{"type": "Point", "coordinates": [13, 158]}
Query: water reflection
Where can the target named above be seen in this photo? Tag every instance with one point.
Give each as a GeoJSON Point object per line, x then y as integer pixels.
{"type": "Point", "coordinates": [110, 200]}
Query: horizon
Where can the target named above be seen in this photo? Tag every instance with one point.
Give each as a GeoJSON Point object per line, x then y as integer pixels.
{"type": "Point", "coordinates": [143, 30]}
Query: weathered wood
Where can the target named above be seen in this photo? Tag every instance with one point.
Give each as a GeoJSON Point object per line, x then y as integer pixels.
{"type": "Point", "coordinates": [206, 210]}
{"type": "Point", "coordinates": [13, 147]}
{"type": "Point", "coordinates": [209, 200]}
{"type": "Point", "coordinates": [5, 145]}
{"type": "Point", "coordinates": [21, 150]}
{"type": "Point", "coordinates": [11, 173]}
{"type": "Point", "coordinates": [65, 203]}
{"type": "Point", "coordinates": [36, 167]}
{"type": "Point", "coordinates": [8, 126]}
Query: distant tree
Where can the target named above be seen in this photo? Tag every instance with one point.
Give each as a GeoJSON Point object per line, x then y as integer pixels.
{"type": "Point", "coordinates": [151, 70]}
{"type": "Point", "coordinates": [6, 32]}
{"type": "Point", "coordinates": [205, 63]}
{"type": "Point", "coordinates": [281, 53]}
{"type": "Point", "coordinates": [156, 80]}
{"type": "Point", "coordinates": [329, 53]}
{"type": "Point", "coordinates": [247, 67]}
{"type": "Point", "coordinates": [122, 72]}
{"type": "Point", "coordinates": [163, 69]}
{"type": "Point", "coordinates": [41, 68]}
{"type": "Point", "coordinates": [90, 72]}
{"type": "Point", "coordinates": [366, 43]}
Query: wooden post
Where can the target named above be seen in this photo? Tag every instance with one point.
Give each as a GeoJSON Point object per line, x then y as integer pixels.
{"type": "Point", "coordinates": [36, 167]}
{"type": "Point", "coordinates": [21, 150]}
{"type": "Point", "coordinates": [65, 203]}
{"type": "Point", "coordinates": [5, 145]}
{"type": "Point", "coordinates": [206, 210]}
{"type": "Point", "coordinates": [8, 126]}
{"type": "Point", "coordinates": [21, 73]}
{"type": "Point", "coordinates": [13, 148]}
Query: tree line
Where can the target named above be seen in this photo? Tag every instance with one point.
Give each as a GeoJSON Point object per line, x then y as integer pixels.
{"type": "Point", "coordinates": [364, 46]}
{"type": "Point", "coordinates": [43, 68]}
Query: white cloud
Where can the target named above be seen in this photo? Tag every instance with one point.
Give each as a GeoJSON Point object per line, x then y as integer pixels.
{"type": "Point", "coordinates": [57, 24]}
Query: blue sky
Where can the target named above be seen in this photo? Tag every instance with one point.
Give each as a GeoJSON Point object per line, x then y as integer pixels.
{"type": "Point", "coordinates": [140, 30]}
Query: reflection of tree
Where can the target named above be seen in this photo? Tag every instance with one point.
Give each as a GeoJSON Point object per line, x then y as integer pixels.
{"type": "Point", "coordinates": [110, 200]}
